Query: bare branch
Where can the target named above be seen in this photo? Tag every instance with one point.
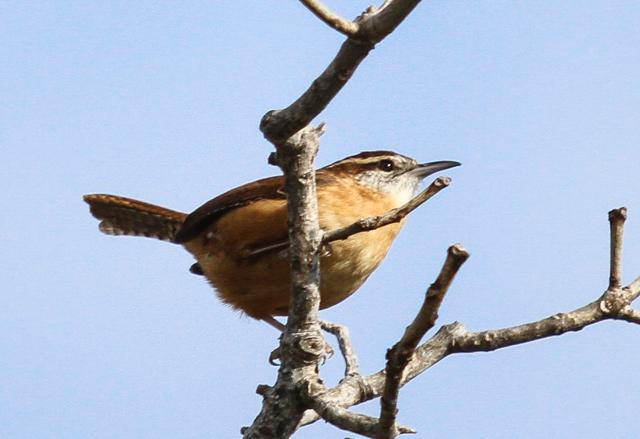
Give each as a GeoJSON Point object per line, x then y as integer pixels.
{"type": "Point", "coordinates": [278, 125]}
{"type": "Point", "coordinates": [633, 290]}
{"type": "Point", "coordinates": [393, 216]}
{"type": "Point", "coordinates": [374, 26]}
{"type": "Point", "coordinates": [557, 324]}
{"type": "Point", "coordinates": [355, 422]}
{"type": "Point", "coordinates": [338, 23]}
{"type": "Point", "coordinates": [398, 357]}
{"type": "Point", "coordinates": [296, 158]}
{"type": "Point", "coordinates": [301, 345]}
{"type": "Point", "coordinates": [617, 218]}
{"type": "Point", "coordinates": [630, 315]}
{"type": "Point", "coordinates": [346, 348]}
{"type": "Point", "coordinates": [454, 338]}
{"type": "Point", "coordinates": [384, 21]}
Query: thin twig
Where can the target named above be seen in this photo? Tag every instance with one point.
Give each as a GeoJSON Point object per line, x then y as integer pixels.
{"type": "Point", "coordinates": [335, 21]}
{"type": "Point", "coordinates": [393, 216]}
{"type": "Point", "coordinates": [398, 357]}
{"type": "Point", "coordinates": [355, 422]}
{"type": "Point", "coordinates": [617, 218]}
{"type": "Point", "coordinates": [486, 341]}
{"type": "Point", "coordinates": [346, 348]}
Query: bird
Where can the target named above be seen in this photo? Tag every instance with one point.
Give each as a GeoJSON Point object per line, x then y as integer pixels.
{"type": "Point", "coordinates": [239, 239]}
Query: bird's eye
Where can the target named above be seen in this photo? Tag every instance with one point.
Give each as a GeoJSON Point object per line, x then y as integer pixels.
{"type": "Point", "coordinates": [386, 165]}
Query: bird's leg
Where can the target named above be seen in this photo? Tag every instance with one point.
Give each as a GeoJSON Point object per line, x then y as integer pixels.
{"type": "Point", "coordinates": [274, 356]}
{"type": "Point", "coordinates": [275, 323]}
{"type": "Point", "coordinates": [344, 341]}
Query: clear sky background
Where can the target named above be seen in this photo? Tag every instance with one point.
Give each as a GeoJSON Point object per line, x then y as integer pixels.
{"type": "Point", "coordinates": [105, 337]}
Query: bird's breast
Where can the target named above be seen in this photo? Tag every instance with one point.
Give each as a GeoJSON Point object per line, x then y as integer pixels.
{"type": "Point", "coordinates": [259, 283]}
{"type": "Point", "coordinates": [348, 263]}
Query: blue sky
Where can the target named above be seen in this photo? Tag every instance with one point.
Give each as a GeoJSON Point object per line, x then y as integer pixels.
{"type": "Point", "coordinates": [107, 337]}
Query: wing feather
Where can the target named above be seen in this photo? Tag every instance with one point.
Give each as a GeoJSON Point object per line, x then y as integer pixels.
{"type": "Point", "coordinates": [211, 211]}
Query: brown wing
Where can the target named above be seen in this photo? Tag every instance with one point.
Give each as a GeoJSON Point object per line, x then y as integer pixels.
{"type": "Point", "coordinates": [205, 215]}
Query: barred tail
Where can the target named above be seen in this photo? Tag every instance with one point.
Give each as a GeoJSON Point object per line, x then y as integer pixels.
{"type": "Point", "coordinates": [124, 216]}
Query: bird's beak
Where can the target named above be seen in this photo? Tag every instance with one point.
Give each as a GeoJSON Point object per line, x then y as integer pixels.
{"type": "Point", "coordinates": [425, 169]}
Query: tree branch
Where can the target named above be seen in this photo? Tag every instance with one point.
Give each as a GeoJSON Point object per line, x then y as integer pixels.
{"type": "Point", "coordinates": [301, 345]}
{"type": "Point", "coordinates": [398, 357]}
{"type": "Point", "coordinates": [633, 290]}
{"type": "Point", "coordinates": [374, 26]}
{"type": "Point", "coordinates": [383, 21]}
{"type": "Point", "coordinates": [346, 348]}
{"type": "Point", "coordinates": [350, 421]}
{"type": "Point", "coordinates": [454, 338]}
{"type": "Point", "coordinates": [611, 305]}
{"type": "Point", "coordinates": [296, 159]}
{"type": "Point", "coordinates": [393, 216]}
{"type": "Point", "coordinates": [346, 27]}
{"type": "Point", "coordinates": [617, 218]}
{"type": "Point", "coordinates": [630, 315]}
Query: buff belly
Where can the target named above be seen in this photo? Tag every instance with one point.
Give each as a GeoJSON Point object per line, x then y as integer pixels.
{"type": "Point", "coordinates": [259, 285]}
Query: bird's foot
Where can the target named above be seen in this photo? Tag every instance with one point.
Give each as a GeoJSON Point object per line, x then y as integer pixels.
{"type": "Point", "coordinates": [275, 355]}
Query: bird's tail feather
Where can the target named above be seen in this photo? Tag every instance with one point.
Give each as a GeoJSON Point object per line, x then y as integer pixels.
{"type": "Point", "coordinates": [124, 216]}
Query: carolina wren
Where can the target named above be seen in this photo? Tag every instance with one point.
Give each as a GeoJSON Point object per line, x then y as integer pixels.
{"type": "Point", "coordinates": [239, 239]}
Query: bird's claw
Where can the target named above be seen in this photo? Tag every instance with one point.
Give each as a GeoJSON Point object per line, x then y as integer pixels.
{"type": "Point", "coordinates": [274, 356]}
